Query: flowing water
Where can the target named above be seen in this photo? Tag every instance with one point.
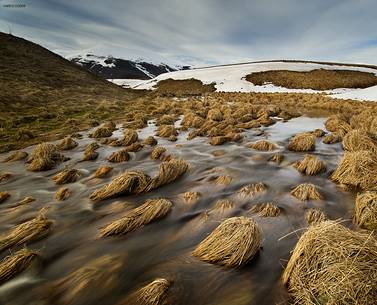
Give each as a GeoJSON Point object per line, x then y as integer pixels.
{"type": "Point", "coordinates": [163, 249]}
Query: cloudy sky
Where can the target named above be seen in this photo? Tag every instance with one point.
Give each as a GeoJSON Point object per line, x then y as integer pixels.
{"type": "Point", "coordinates": [200, 32]}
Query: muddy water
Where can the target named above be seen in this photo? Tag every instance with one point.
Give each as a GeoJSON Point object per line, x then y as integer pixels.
{"type": "Point", "coordinates": [162, 249]}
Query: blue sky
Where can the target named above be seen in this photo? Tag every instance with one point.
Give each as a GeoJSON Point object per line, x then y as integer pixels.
{"type": "Point", "coordinates": [200, 32]}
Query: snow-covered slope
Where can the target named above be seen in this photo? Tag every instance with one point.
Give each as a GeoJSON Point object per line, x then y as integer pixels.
{"type": "Point", "coordinates": [231, 78]}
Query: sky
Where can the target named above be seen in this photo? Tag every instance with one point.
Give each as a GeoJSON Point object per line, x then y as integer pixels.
{"type": "Point", "coordinates": [199, 32]}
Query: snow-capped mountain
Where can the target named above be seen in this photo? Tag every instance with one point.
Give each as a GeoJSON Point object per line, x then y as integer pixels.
{"type": "Point", "coordinates": [110, 67]}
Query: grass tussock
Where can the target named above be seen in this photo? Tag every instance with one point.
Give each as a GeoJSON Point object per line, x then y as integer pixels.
{"type": "Point", "coordinates": [101, 132]}
{"type": "Point", "coordinates": [215, 115]}
{"type": "Point", "coordinates": [4, 196]}
{"type": "Point", "coordinates": [318, 79]}
{"type": "Point", "coordinates": [16, 156]}
{"type": "Point", "coordinates": [232, 244]}
{"type": "Point", "coordinates": [90, 153]}
{"type": "Point", "coordinates": [67, 144]}
{"type": "Point", "coordinates": [26, 200]}
{"type": "Point", "coordinates": [315, 216]}
{"type": "Point", "coordinates": [219, 140]}
{"type": "Point", "coordinates": [223, 180]}
{"type": "Point", "coordinates": [252, 190]}
{"type": "Point", "coordinates": [263, 145]}
{"type": "Point", "coordinates": [63, 193]}
{"type": "Point", "coordinates": [5, 176]}
{"type": "Point", "coordinates": [302, 142]}
{"type": "Point", "coordinates": [338, 124]}
{"type": "Point", "coordinates": [166, 131]}
{"type": "Point", "coordinates": [268, 209]}
{"type": "Point", "coordinates": [306, 191]}
{"type": "Point", "coordinates": [150, 141]}
{"type": "Point", "coordinates": [119, 156]}
{"type": "Point", "coordinates": [102, 171]}
{"type": "Point", "coordinates": [130, 136]}
{"type": "Point", "coordinates": [357, 169]}
{"type": "Point", "coordinates": [221, 206]}
{"type": "Point", "coordinates": [44, 157]}
{"type": "Point", "coordinates": [157, 152]}
{"type": "Point", "coordinates": [134, 147]}
{"type": "Point", "coordinates": [16, 263]}
{"type": "Point", "coordinates": [310, 165]}
{"type": "Point", "coordinates": [333, 265]}
{"type": "Point", "coordinates": [332, 138]}
{"type": "Point", "coordinates": [359, 140]}
{"type": "Point", "coordinates": [26, 232]}
{"type": "Point", "coordinates": [155, 293]}
{"type": "Point", "coordinates": [149, 211]}
{"type": "Point", "coordinates": [277, 158]}
{"type": "Point", "coordinates": [166, 119]}
{"type": "Point", "coordinates": [319, 133]}
{"type": "Point", "coordinates": [66, 176]}
{"type": "Point", "coordinates": [191, 197]}
{"type": "Point", "coordinates": [365, 215]}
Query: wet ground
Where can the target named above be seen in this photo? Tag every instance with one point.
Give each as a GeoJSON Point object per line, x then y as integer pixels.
{"type": "Point", "coordinates": [163, 249]}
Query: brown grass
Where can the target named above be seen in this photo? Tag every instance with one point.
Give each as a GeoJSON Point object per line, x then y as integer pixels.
{"type": "Point", "coordinates": [90, 152]}
{"type": "Point", "coordinates": [16, 263]}
{"type": "Point", "coordinates": [215, 115]}
{"type": "Point", "coordinates": [155, 293]}
{"type": "Point", "coordinates": [129, 137]}
{"type": "Point", "coordinates": [365, 215]}
{"type": "Point", "coordinates": [252, 190]}
{"type": "Point", "coordinates": [102, 171]}
{"type": "Point", "coordinates": [67, 144]}
{"type": "Point", "coordinates": [278, 158]}
{"type": "Point", "coordinates": [63, 193]}
{"type": "Point", "coordinates": [157, 152]}
{"type": "Point", "coordinates": [119, 156]}
{"type": "Point", "coordinates": [166, 119]}
{"type": "Point", "coordinates": [26, 200]}
{"type": "Point", "coordinates": [333, 265]}
{"type": "Point", "coordinates": [191, 197]}
{"type": "Point", "coordinates": [338, 124]}
{"type": "Point", "coordinates": [172, 87]}
{"type": "Point", "coordinates": [232, 244]}
{"type": "Point", "coordinates": [221, 206]}
{"type": "Point", "coordinates": [357, 169]}
{"type": "Point", "coordinates": [319, 133]}
{"type": "Point", "coordinates": [16, 156]}
{"type": "Point", "coordinates": [150, 141]}
{"type": "Point", "coordinates": [218, 140]}
{"type": "Point", "coordinates": [166, 131]}
{"type": "Point", "coordinates": [332, 138]}
{"type": "Point", "coordinates": [306, 191]}
{"type": "Point", "coordinates": [359, 140]}
{"type": "Point", "coordinates": [315, 216]}
{"type": "Point", "coordinates": [101, 132]}
{"type": "Point", "coordinates": [310, 165]}
{"type": "Point", "coordinates": [26, 232]}
{"type": "Point", "coordinates": [5, 176]}
{"type": "Point", "coordinates": [134, 147]}
{"type": "Point", "coordinates": [268, 209]}
{"type": "Point", "coordinates": [66, 176]}
{"type": "Point", "coordinates": [4, 196]}
{"type": "Point", "coordinates": [302, 142]}
{"type": "Point", "coordinates": [44, 157]}
{"type": "Point", "coordinates": [223, 180]}
{"type": "Point", "coordinates": [263, 145]}
{"type": "Point", "coordinates": [318, 79]}
{"type": "Point", "coordinates": [149, 211]}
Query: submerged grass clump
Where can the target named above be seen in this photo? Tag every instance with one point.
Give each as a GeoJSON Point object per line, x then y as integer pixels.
{"type": "Point", "coordinates": [16, 156]}
{"type": "Point", "coordinates": [102, 171]}
{"type": "Point", "coordinates": [365, 215]}
{"type": "Point", "coordinates": [191, 197]}
{"type": "Point", "coordinates": [277, 158]}
{"type": "Point", "coordinates": [252, 190]}
{"type": "Point", "coordinates": [310, 165]}
{"type": "Point", "coordinates": [223, 180]}
{"type": "Point", "coordinates": [4, 176]}
{"type": "Point", "coordinates": [333, 265]}
{"type": "Point", "coordinates": [16, 263]}
{"type": "Point", "coordinates": [26, 232]}
{"type": "Point", "coordinates": [66, 176]}
{"type": "Point", "coordinates": [306, 191]}
{"type": "Point", "coordinates": [314, 216]}
{"type": "Point", "coordinates": [63, 193]}
{"type": "Point", "coordinates": [232, 244]}
{"type": "Point", "coordinates": [302, 142]}
{"type": "Point", "coordinates": [4, 196]}
{"type": "Point", "coordinates": [268, 209]}
{"type": "Point", "coordinates": [263, 145]}
{"type": "Point", "coordinates": [149, 211]}
{"type": "Point", "coordinates": [67, 144]}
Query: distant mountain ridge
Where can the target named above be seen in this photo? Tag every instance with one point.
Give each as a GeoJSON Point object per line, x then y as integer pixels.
{"type": "Point", "coordinates": [110, 67]}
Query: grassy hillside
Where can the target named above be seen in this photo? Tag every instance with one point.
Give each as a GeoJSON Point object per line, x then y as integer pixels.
{"type": "Point", "coordinates": [44, 96]}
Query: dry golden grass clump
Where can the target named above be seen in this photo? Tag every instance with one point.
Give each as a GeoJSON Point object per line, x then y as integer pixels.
{"type": "Point", "coordinates": [149, 211]}
{"type": "Point", "coordinates": [359, 140]}
{"type": "Point", "coordinates": [101, 132]}
{"type": "Point", "coordinates": [221, 206]}
{"type": "Point", "coordinates": [67, 144]}
{"type": "Point", "coordinates": [26, 232]}
{"type": "Point", "coordinates": [110, 125]}
{"type": "Point", "coordinates": [268, 209]}
{"type": "Point", "coordinates": [94, 279]}
{"type": "Point", "coordinates": [285, 115]}
{"type": "Point", "coordinates": [252, 189]}
{"type": "Point", "coordinates": [310, 165]}
{"type": "Point", "coordinates": [16, 156]}
{"type": "Point", "coordinates": [366, 210]}
{"type": "Point", "coordinates": [150, 141]}
{"type": "Point", "coordinates": [218, 140]}
{"type": "Point", "coordinates": [44, 157]}
{"type": "Point", "coordinates": [130, 136]}
{"type": "Point", "coordinates": [357, 169]}
{"type": "Point", "coordinates": [134, 147]}
{"type": "Point", "coordinates": [191, 196]}
{"type": "Point", "coordinates": [192, 120]}
{"type": "Point", "coordinates": [173, 138]}
{"type": "Point", "coordinates": [302, 142]}
{"type": "Point", "coordinates": [16, 263]}
{"type": "Point", "coordinates": [263, 145]}
{"type": "Point", "coordinates": [332, 138]}
{"type": "Point", "coordinates": [166, 119]}
{"type": "Point", "coordinates": [155, 293]}
{"type": "Point", "coordinates": [223, 180]}
{"type": "Point", "coordinates": [4, 196]}
{"type": "Point", "coordinates": [278, 158]}
{"type": "Point", "coordinates": [66, 176]}
{"type": "Point", "coordinates": [232, 244]}
{"type": "Point", "coordinates": [157, 152]}
{"type": "Point", "coordinates": [63, 193]}
{"type": "Point", "coordinates": [166, 131]}
{"type": "Point", "coordinates": [102, 171]}
{"type": "Point", "coordinates": [90, 152]}
{"type": "Point", "coordinates": [314, 216]}
{"type": "Point", "coordinates": [119, 156]}
{"type": "Point", "coordinates": [319, 133]}
{"type": "Point", "coordinates": [333, 265]}
{"type": "Point", "coordinates": [363, 120]}
{"type": "Point", "coordinates": [306, 191]}
{"type": "Point", "coordinates": [5, 176]}
{"type": "Point", "coordinates": [338, 124]}
{"type": "Point", "coordinates": [215, 115]}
